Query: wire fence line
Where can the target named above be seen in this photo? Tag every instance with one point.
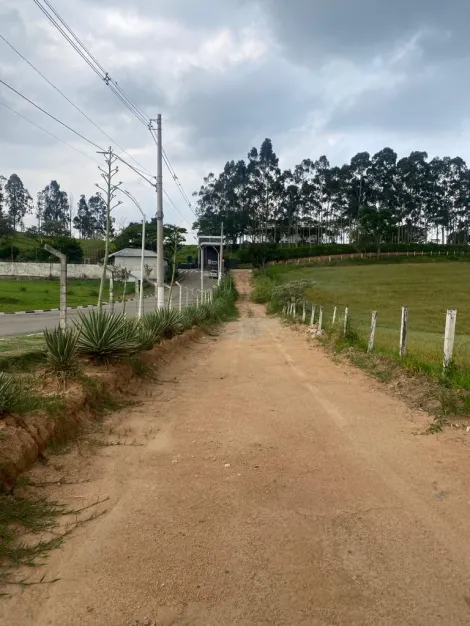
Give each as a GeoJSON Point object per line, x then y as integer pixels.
{"type": "Point", "coordinates": [329, 258]}
{"type": "Point", "coordinates": [313, 314]}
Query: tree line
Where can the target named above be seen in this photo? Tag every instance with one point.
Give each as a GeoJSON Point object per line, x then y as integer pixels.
{"type": "Point", "coordinates": [370, 200]}
{"type": "Point", "coordinates": [54, 211]}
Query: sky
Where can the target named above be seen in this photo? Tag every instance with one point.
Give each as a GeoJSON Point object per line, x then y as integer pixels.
{"type": "Point", "coordinates": [332, 77]}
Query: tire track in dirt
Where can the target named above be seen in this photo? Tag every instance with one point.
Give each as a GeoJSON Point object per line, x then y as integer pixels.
{"type": "Point", "coordinates": [261, 484]}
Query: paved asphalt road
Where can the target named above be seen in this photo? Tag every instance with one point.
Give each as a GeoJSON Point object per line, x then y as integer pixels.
{"type": "Point", "coordinates": [29, 323]}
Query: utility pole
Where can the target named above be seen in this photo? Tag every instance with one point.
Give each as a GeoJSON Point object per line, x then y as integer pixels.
{"type": "Point", "coordinates": [109, 189]}
{"type": "Point", "coordinates": [221, 259]}
{"type": "Point", "coordinates": [160, 262]}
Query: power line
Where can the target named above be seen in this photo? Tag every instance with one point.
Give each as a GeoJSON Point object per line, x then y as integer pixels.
{"type": "Point", "coordinates": [107, 78]}
{"type": "Point", "coordinates": [173, 175]}
{"type": "Point", "coordinates": [175, 207]}
{"type": "Point", "coordinates": [88, 57]}
{"type": "Point", "coordinates": [47, 132]}
{"type": "Point", "coordinates": [177, 180]}
{"type": "Point", "coordinates": [71, 102]}
{"type": "Point", "coordinates": [135, 170]}
{"type": "Point", "coordinates": [72, 129]}
{"type": "Point", "coordinates": [51, 116]}
{"type": "Point", "coordinates": [64, 34]}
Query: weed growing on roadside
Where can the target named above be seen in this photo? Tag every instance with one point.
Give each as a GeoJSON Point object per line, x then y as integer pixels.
{"type": "Point", "coordinates": [31, 516]}
{"type": "Point", "coordinates": [141, 370]}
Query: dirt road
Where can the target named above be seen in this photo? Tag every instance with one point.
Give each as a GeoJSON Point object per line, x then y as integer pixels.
{"type": "Point", "coordinates": [263, 484]}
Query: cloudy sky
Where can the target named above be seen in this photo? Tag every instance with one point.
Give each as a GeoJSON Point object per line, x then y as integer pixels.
{"type": "Point", "coordinates": [319, 77]}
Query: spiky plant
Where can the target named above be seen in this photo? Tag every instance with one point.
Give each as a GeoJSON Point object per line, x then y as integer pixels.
{"type": "Point", "coordinates": [146, 338]}
{"type": "Point", "coordinates": [9, 393]}
{"type": "Point", "coordinates": [189, 317]}
{"type": "Point", "coordinates": [153, 325]}
{"type": "Point", "coordinates": [106, 336]}
{"type": "Point", "coordinates": [62, 351]}
{"type": "Point", "coordinates": [173, 323]}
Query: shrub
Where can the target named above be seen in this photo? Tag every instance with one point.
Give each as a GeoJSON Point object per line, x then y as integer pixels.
{"type": "Point", "coordinates": [93, 293]}
{"type": "Point", "coordinates": [9, 393]}
{"type": "Point", "coordinates": [262, 290]}
{"type": "Point", "coordinates": [104, 336]}
{"type": "Point", "coordinates": [288, 293]}
{"type": "Point", "coordinates": [62, 350]}
{"type": "Point", "coordinates": [23, 289]}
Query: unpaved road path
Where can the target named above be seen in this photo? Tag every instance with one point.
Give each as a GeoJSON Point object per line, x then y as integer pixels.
{"type": "Point", "coordinates": [272, 486]}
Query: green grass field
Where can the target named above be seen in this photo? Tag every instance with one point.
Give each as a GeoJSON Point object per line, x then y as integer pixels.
{"type": "Point", "coordinates": [21, 295]}
{"type": "Point", "coordinates": [427, 289]}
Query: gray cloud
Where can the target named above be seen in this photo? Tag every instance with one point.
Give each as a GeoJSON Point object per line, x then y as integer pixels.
{"type": "Point", "coordinates": [337, 28]}
{"type": "Point", "coordinates": [330, 76]}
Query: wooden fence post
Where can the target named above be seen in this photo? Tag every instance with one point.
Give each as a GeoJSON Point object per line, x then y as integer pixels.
{"type": "Point", "coordinates": [345, 327]}
{"type": "Point", "coordinates": [403, 330]}
{"type": "Point", "coordinates": [312, 318]}
{"type": "Point", "coordinates": [373, 325]}
{"type": "Point", "coordinates": [320, 318]}
{"type": "Point", "coordinates": [333, 321]}
{"type": "Point", "coordinates": [449, 337]}
{"type": "Point", "coordinates": [304, 313]}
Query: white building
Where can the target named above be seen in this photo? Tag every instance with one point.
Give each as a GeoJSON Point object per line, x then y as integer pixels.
{"type": "Point", "coordinates": [129, 258]}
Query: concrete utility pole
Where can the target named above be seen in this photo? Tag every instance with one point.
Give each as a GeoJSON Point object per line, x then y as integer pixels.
{"type": "Point", "coordinates": [160, 265]}
{"type": "Point", "coordinates": [109, 190]}
{"type": "Point", "coordinates": [63, 284]}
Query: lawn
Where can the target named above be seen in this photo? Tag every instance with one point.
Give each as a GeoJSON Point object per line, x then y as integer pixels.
{"type": "Point", "coordinates": [427, 289]}
{"type": "Point", "coordinates": [21, 295]}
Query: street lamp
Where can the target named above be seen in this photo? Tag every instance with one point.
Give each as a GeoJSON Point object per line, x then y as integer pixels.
{"type": "Point", "coordinates": [142, 254]}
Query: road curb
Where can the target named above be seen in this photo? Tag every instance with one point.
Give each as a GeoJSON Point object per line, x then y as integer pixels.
{"type": "Point", "coordinates": [69, 308]}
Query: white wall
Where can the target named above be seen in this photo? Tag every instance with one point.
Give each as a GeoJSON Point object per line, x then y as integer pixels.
{"type": "Point", "coordinates": [45, 270]}
{"type": "Point", "coordinates": [133, 262]}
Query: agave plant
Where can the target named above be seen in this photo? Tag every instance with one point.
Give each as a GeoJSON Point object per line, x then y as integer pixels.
{"type": "Point", "coordinates": [9, 393]}
{"type": "Point", "coordinates": [62, 350]}
{"type": "Point", "coordinates": [153, 325]}
{"type": "Point", "coordinates": [173, 323]}
{"type": "Point", "coordinates": [105, 336]}
{"type": "Point", "coordinates": [146, 337]}
{"type": "Point", "coordinates": [189, 317]}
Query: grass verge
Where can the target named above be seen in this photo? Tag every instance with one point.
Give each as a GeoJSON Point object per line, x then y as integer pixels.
{"type": "Point", "coordinates": [28, 295]}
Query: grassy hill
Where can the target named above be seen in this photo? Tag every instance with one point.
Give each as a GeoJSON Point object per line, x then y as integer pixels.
{"type": "Point", "coordinates": [93, 249]}
{"type": "Point", "coordinates": [427, 289]}
{"type": "Point", "coordinates": [28, 247]}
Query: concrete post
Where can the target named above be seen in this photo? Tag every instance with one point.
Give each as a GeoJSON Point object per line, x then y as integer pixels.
{"type": "Point", "coordinates": [63, 285]}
